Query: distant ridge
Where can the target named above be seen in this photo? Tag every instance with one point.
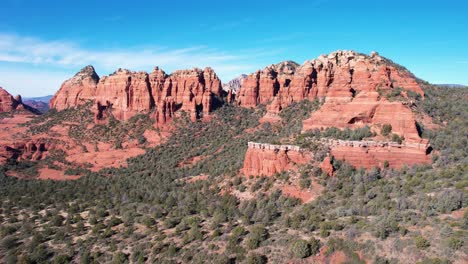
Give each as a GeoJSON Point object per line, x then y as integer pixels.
{"type": "Point", "coordinates": [44, 99]}
{"type": "Point", "coordinates": [452, 85]}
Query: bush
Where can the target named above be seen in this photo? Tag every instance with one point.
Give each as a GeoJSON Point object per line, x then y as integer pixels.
{"type": "Point", "coordinates": [455, 243]}
{"type": "Point", "coordinates": [257, 235]}
{"type": "Point", "coordinates": [119, 258]}
{"type": "Point", "coordinates": [421, 242]}
{"type": "Point", "coordinates": [300, 249]}
{"type": "Point", "coordinates": [8, 242]}
{"type": "Point", "coordinates": [314, 246]}
{"type": "Point", "coordinates": [386, 130]}
{"type": "Point", "coordinates": [255, 258]}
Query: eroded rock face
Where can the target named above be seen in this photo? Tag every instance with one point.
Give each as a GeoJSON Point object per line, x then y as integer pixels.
{"type": "Point", "coordinates": [267, 160]}
{"type": "Point", "coordinates": [371, 157]}
{"type": "Point", "coordinates": [349, 83]}
{"type": "Point", "coordinates": [326, 166]}
{"type": "Point", "coordinates": [29, 150]}
{"type": "Point", "coordinates": [9, 103]}
{"type": "Point", "coordinates": [128, 93]}
{"type": "Point", "coordinates": [339, 76]}
{"type": "Point", "coordinates": [77, 90]}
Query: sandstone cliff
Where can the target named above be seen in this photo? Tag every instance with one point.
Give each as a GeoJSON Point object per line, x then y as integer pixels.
{"type": "Point", "coordinates": [9, 103]}
{"type": "Point", "coordinates": [349, 83]}
{"type": "Point", "coordinates": [267, 160]}
{"type": "Point", "coordinates": [77, 90]}
{"type": "Point", "coordinates": [126, 93]}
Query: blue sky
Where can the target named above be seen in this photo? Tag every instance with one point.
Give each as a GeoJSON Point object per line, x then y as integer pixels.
{"type": "Point", "coordinates": [42, 43]}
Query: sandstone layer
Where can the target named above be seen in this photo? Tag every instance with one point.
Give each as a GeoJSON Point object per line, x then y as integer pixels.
{"type": "Point", "coordinates": [370, 157]}
{"type": "Point", "coordinates": [267, 160]}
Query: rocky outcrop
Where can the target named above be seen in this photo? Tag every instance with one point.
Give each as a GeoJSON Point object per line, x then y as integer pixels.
{"type": "Point", "coordinates": [369, 154]}
{"type": "Point", "coordinates": [9, 103]}
{"type": "Point", "coordinates": [261, 87]}
{"type": "Point", "coordinates": [77, 90]}
{"type": "Point", "coordinates": [125, 93]}
{"type": "Point", "coordinates": [350, 84]}
{"type": "Point", "coordinates": [365, 111]}
{"type": "Point", "coordinates": [326, 166]}
{"type": "Point", "coordinates": [339, 76]}
{"type": "Point", "coordinates": [267, 160]}
{"type": "Point", "coordinates": [30, 150]}
{"type": "Point", "coordinates": [375, 156]}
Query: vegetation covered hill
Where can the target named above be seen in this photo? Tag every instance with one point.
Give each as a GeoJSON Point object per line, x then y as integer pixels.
{"type": "Point", "coordinates": [166, 208]}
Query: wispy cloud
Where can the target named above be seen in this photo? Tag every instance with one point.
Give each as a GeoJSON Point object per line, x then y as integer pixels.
{"type": "Point", "coordinates": [28, 50]}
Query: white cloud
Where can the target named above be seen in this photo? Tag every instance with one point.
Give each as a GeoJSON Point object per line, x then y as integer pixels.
{"type": "Point", "coordinates": [64, 54]}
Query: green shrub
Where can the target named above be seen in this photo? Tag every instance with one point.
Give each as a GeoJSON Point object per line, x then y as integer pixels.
{"type": "Point", "coordinates": [421, 242]}
{"type": "Point", "coordinates": [300, 249]}
{"type": "Point", "coordinates": [386, 130]}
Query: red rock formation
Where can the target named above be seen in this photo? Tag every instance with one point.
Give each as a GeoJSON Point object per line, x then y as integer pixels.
{"type": "Point", "coordinates": [336, 77]}
{"type": "Point", "coordinates": [126, 93]}
{"type": "Point", "coordinates": [77, 90]}
{"type": "Point", "coordinates": [267, 160]}
{"type": "Point", "coordinates": [327, 166]}
{"type": "Point", "coordinates": [30, 150]}
{"type": "Point", "coordinates": [347, 81]}
{"type": "Point", "coordinates": [262, 86]}
{"type": "Point", "coordinates": [9, 103]}
{"type": "Point", "coordinates": [365, 111]}
{"type": "Point", "coordinates": [369, 157]}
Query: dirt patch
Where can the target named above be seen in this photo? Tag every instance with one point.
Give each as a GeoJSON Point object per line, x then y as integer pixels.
{"type": "Point", "coordinates": [56, 175]}
{"type": "Point", "coordinates": [305, 195]}
{"type": "Point", "coordinates": [191, 161]}
{"type": "Point", "coordinates": [202, 177]}
{"type": "Point", "coordinates": [112, 158]}
{"type": "Point", "coordinates": [270, 118]}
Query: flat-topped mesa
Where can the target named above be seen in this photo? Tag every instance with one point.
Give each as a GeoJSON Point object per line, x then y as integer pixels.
{"type": "Point", "coordinates": [267, 159]}
{"type": "Point", "coordinates": [9, 103]}
{"type": "Point", "coordinates": [126, 93]}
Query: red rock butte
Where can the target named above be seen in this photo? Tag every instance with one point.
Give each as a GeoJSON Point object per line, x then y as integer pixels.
{"type": "Point", "coordinates": [9, 103]}
{"type": "Point", "coordinates": [126, 93]}
{"type": "Point", "coordinates": [349, 84]}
